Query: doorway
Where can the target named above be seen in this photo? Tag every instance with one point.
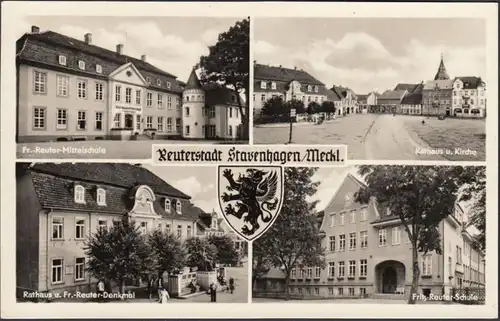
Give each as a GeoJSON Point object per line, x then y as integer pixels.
{"type": "Point", "coordinates": [129, 121]}
{"type": "Point", "coordinates": [448, 113]}
{"type": "Point", "coordinates": [389, 280]}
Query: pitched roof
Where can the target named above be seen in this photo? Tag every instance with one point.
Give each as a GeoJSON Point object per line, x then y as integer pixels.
{"type": "Point", "coordinates": [409, 87]}
{"type": "Point", "coordinates": [116, 174]}
{"type": "Point", "coordinates": [193, 81]}
{"type": "Point", "coordinates": [471, 82]}
{"type": "Point", "coordinates": [216, 94]}
{"type": "Point", "coordinates": [264, 72]}
{"type": "Point", "coordinates": [362, 97]}
{"type": "Point", "coordinates": [441, 74]}
{"type": "Point", "coordinates": [45, 48]}
{"type": "Point", "coordinates": [412, 99]}
{"type": "Point", "coordinates": [332, 95]}
{"type": "Point", "coordinates": [438, 84]}
{"type": "Point", "coordinates": [393, 94]}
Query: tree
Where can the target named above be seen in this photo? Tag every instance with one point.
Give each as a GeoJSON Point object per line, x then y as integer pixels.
{"type": "Point", "coordinates": [168, 249]}
{"type": "Point", "coordinates": [261, 261]}
{"type": "Point", "coordinates": [328, 107]}
{"type": "Point", "coordinates": [313, 108]}
{"type": "Point", "coordinates": [119, 254]}
{"type": "Point", "coordinates": [298, 105]}
{"type": "Point", "coordinates": [226, 253]}
{"type": "Point", "coordinates": [294, 238]}
{"type": "Point", "coordinates": [421, 196]}
{"type": "Point", "coordinates": [228, 63]}
{"type": "Point", "coordinates": [273, 107]}
{"type": "Point", "coordinates": [200, 254]}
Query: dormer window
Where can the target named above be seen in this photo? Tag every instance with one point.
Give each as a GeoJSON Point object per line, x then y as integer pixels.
{"type": "Point", "coordinates": [79, 194]}
{"type": "Point", "coordinates": [315, 88]}
{"type": "Point", "coordinates": [148, 80]}
{"type": "Point", "coordinates": [98, 69]}
{"type": "Point", "coordinates": [168, 205]}
{"type": "Point", "coordinates": [158, 82]}
{"type": "Point", "coordinates": [309, 88]}
{"type": "Point", "coordinates": [169, 85]}
{"type": "Point", "coordinates": [81, 64]}
{"type": "Point", "coordinates": [273, 85]}
{"type": "Point", "coordinates": [263, 85]}
{"type": "Point", "coordinates": [62, 60]}
{"type": "Point", "coordinates": [178, 207]}
{"type": "Point", "coordinates": [101, 197]}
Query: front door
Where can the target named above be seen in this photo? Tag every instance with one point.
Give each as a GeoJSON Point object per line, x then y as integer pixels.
{"type": "Point", "coordinates": [129, 121]}
{"type": "Point", "coordinates": [138, 124]}
{"type": "Point", "coordinates": [447, 112]}
{"type": "Point", "coordinates": [389, 280]}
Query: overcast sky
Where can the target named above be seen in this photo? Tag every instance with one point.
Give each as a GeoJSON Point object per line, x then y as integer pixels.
{"type": "Point", "coordinates": [173, 44]}
{"type": "Point", "coordinates": [368, 54]}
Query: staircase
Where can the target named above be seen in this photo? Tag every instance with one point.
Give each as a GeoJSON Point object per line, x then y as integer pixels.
{"type": "Point", "coordinates": [143, 137]}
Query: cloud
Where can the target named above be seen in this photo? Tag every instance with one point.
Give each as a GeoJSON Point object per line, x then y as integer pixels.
{"type": "Point", "coordinates": [190, 186]}
{"type": "Point", "coordinates": [210, 36]}
{"type": "Point", "coordinates": [361, 61]}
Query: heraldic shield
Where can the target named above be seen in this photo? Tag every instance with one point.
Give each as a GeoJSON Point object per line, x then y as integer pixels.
{"type": "Point", "coordinates": [250, 197]}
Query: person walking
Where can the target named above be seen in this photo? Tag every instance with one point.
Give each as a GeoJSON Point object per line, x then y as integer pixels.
{"type": "Point", "coordinates": [164, 296]}
{"type": "Point", "coordinates": [231, 285]}
{"type": "Point", "coordinates": [213, 292]}
{"type": "Point", "coordinates": [100, 290]}
{"type": "Point", "coordinates": [150, 288]}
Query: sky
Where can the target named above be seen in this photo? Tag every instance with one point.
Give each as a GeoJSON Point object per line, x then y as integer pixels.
{"type": "Point", "coordinates": [173, 44]}
{"type": "Point", "coordinates": [372, 54]}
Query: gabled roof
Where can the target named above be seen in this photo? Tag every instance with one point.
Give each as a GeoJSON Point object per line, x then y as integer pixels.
{"type": "Point", "coordinates": [470, 82]}
{"type": "Point", "coordinates": [216, 94]}
{"type": "Point", "coordinates": [438, 84]}
{"type": "Point", "coordinates": [409, 87]}
{"type": "Point", "coordinates": [193, 81]}
{"type": "Point", "coordinates": [393, 94]}
{"type": "Point", "coordinates": [362, 97]}
{"type": "Point", "coordinates": [341, 91]}
{"type": "Point", "coordinates": [270, 73]}
{"type": "Point", "coordinates": [412, 99]}
{"type": "Point", "coordinates": [332, 95]}
{"type": "Point", "coordinates": [45, 47]}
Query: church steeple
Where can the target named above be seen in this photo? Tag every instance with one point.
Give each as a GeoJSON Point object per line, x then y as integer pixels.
{"type": "Point", "coordinates": [193, 81]}
{"type": "Point", "coordinates": [441, 73]}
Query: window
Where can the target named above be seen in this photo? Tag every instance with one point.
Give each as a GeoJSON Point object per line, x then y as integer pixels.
{"type": "Point", "coordinates": [341, 242]}
{"type": "Point", "coordinates": [178, 103]}
{"type": "Point", "coordinates": [352, 216]}
{"type": "Point", "coordinates": [341, 269]}
{"type": "Point", "coordinates": [427, 265]}
{"type": "Point", "coordinates": [341, 217]}
{"type": "Point", "coordinates": [273, 85]}
{"type": "Point", "coordinates": [331, 269]}
{"type": "Point", "coordinates": [149, 99]}
{"type": "Point", "coordinates": [62, 60]}
{"type": "Point", "coordinates": [236, 113]}
{"type": "Point", "coordinates": [382, 237]}
{"type": "Point", "coordinates": [158, 82]}
{"type": "Point", "coordinates": [82, 89]}
{"type": "Point", "coordinates": [169, 124]}
{"type": "Point", "coordinates": [80, 269]}
{"type": "Point", "coordinates": [99, 91]}
{"type": "Point", "coordinates": [179, 231]}
{"type": "Point", "coordinates": [309, 88]}
{"type": "Point", "coordinates": [332, 220]}
{"type": "Point", "coordinates": [351, 291]}
{"type": "Point", "coordinates": [317, 272]}
{"type": "Point", "coordinates": [79, 194]}
{"type": "Point", "coordinates": [39, 118]}
{"type": "Point", "coordinates": [169, 85]}
{"type": "Point", "coordinates": [450, 266]}
{"type": "Point", "coordinates": [169, 102]}
{"type": "Point", "coordinates": [118, 93]}
{"type": "Point", "coordinates": [101, 196]}
{"type": "Point", "coordinates": [187, 130]}
{"type": "Point", "coordinates": [39, 82]}
{"type": "Point", "coordinates": [178, 125]}
{"type": "Point", "coordinates": [263, 85]}
{"type": "Point", "coordinates": [62, 86]}
{"type": "Point", "coordinates": [362, 291]}
{"type": "Point", "coordinates": [160, 101]}
{"type": "Point", "coordinates": [230, 112]}
{"type": "Point", "coordinates": [117, 120]}
{"type": "Point", "coordinates": [81, 64]}
{"type": "Point", "coordinates": [211, 112]}
{"type": "Point", "coordinates": [82, 120]}
{"type": "Point", "coordinates": [340, 291]}
{"type": "Point", "coordinates": [144, 227]}
{"type": "Point", "coordinates": [167, 205]}
{"type": "Point", "coordinates": [459, 255]}
{"type": "Point", "coordinates": [188, 231]}
{"type": "Point", "coordinates": [148, 80]}
{"type": "Point", "coordinates": [263, 97]}
{"type": "Point", "coordinates": [363, 268]}
{"type": "Point", "coordinates": [309, 273]}
{"type": "Point", "coordinates": [167, 228]}
{"type": "Point", "coordinates": [57, 228]}
{"type": "Point", "coordinates": [352, 268]}
{"type": "Point", "coordinates": [149, 122]}
{"type": "Point", "coordinates": [364, 214]}
{"type": "Point", "coordinates": [102, 224]}
{"type": "Point", "coordinates": [98, 120]}
{"type": "Point", "coordinates": [363, 235]}
{"type": "Point", "coordinates": [98, 69]}
{"type": "Point", "coordinates": [352, 241]}
{"type": "Point", "coordinates": [230, 131]}
{"type": "Point", "coordinates": [128, 95]}
{"type": "Point", "coordinates": [62, 119]}
{"type": "Point", "coordinates": [187, 111]}
{"type": "Point", "coordinates": [138, 97]}
{"type": "Point", "coordinates": [316, 291]}
{"type": "Point", "coordinates": [178, 207]}
{"type": "Point", "coordinates": [57, 271]}
{"type": "Point", "coordinates": [332, 243]}
{"type": "Point", "coordinates": [79, 228]}
{"type": "Point", "coordinates": [160, 123]}
{"type": "Point", "coordinates": [396, 236]}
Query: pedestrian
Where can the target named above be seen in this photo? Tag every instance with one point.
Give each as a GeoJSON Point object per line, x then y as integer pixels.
{"type": "Point", "coordinates": [164, 296]}
{"type": "Point", "coordinates": [231, 284]}
{"type": "Point", "coordinates": [160, 287]}
{"type": "Point", "coordinates": [100, 290]}
{"type": "Point", "coordinates": [213, 292]}
{"type": "Point", "coordinates": [150, 288]}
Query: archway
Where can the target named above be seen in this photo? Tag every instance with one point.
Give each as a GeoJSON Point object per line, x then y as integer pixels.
{"type": "Point", "coordinates": [390, 277]}
{"type": "Point", "coordinates": [389, 280]}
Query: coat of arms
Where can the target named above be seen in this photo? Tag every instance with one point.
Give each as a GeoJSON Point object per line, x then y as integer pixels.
{"type": "Point", "coordinates": [250, 198]}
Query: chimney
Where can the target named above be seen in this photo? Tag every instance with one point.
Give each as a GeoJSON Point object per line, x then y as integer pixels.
{"type": "Point", "coordinates": [35, 29]}
{"type": "Point", "coordinates": [144, 58]}
{"type": "Point", "coordinates": [119, 49]}
{"type": "Point", "coordinates": [295, 68]}
{"type": "Point", "coordinates": [88, 38]}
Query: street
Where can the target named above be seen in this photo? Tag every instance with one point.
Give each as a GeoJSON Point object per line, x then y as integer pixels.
{"type": "Point", "coordinates": [388, 137]}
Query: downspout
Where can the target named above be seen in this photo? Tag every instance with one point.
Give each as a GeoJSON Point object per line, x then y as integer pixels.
{"type": "Point", "coordinates": [47, 251]}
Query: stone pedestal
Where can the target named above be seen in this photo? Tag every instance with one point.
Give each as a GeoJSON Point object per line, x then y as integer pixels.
{"type": "Point", "coordinates": [205, 278]}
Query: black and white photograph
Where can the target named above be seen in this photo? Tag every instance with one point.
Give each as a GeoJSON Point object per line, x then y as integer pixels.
{"type": "Point", "coordinates": [389, 88]}
{"type": "Point", "coordinates": [110, 87]}
{"type": "Point", "coordinates": [376, 234]}
{"type": "Point", "coordinates": [107, 232]}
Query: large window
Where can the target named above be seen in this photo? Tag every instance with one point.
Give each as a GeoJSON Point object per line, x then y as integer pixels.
{"type": "Point", "coordinates": [138, 97]}
{"type": "Point", "coordinates": [363, 268]}
{"type": "Point", "coordinates": [396, 236]}
{"type": "Point", "coordinates": [79, 194]}
{"type": "Point", "coordinates": [331, 269]}
{"type": "Point", "coordinates": [39, 118]}
{"type": "Point", "coordinates": [99, 90]}
{"type": "Point", "coordinates": [352, 268]}
{"type": "Point", "coordinates": [149, 122]}
{"type": "Point", "coordinates": [62, 85]}
{"type": "Point", "coordinates": [427, 265]}
{"type": "Point", "coordinates": [160, 123]}
{"type": "Point", "coordinates": [101, 196]}
{"type": "Point", "coordinates": [81, 88]}
{"type": "Point", "coordinates": [57, 271]}
{"type": "Point", "coordinates": [332, 243]}
{"type": "Point", "coordinates": [352, 241]}
{"type": "Point", "coordinates": [39, 82]}
{"type": "Point", "coordinates": [62, 119]}
{"type": "Point", "coordinates": [341, 269]}
{"type": "Point", "coordinates": [118, 93]}
{"type": "Point", "coordinates": [80, 269]}
{"type": "Point", "coordinates": [382, 237]}
{"type": "Point", "coordinates": [82, 120]}
{"type": "Point", "coordinates": [169, 124]}
{"type": "Point", "coordinates": [149, 99]}
{"type": "Point", "coordinates": [57, 228]}
{"type": "Point", "coordinates": [160, 101]}
{"type": "Point", "coordinates": [363, 235]}
{"type": "Point", "coordinates": [80, 228]}
{"type": "Point", "coordinates": [128, 95]}
{"type": "Point", "coordinates": [98, 120]}
{"type": "Point", "coordinates": [179, 231]}
{"type": "Point", "coordinates": [341, 242]}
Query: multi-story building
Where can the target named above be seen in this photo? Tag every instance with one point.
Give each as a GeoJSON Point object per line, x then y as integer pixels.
{"type": "Point", "coordinates": [367, 102]}
{"type": "Point", "coordinates": [368, 253]}
{"type": "Point", "coordinates": [390, 101]}
{"type": "Point", "coordinates": [411, 104]}
{"type": "Point", "coordinates": [348, 100]}
{"type": "Point", "coordinates": [68, 89]}
{"type": "Point", "coordinates": [469, 97]}
{"type": "Point", "coordinates": [271, 81]}
{"type": "Point", "coordinates": [60, 205]}
{"type": "Point", "coordinates": [437, 93]}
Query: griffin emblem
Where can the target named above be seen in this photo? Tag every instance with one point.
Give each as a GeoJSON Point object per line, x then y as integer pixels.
{"type": "Point", "coordinates": [250, 198]}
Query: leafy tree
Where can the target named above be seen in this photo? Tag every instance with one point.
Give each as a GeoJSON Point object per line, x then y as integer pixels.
{"type": "Point", "coordinates": [228, 64]}
{"type": "Point", "coordinates": [168, 249]}
{"type": "Point", "coordinates": [261, 261]}
{"type": "Point", "coordinates": [294, 238]}
{"type": "Point", "coordinates": [200, 254]}
{"type": "Point", "coordinates": [297, 104]}
{"type": "Point", "coordinates": [226, 253]}
{"type": "Point", "coordinates": [313, 108]}
{"type": "Point", "coordinates": [273, 107]}
{"type": "Point", "coordinates": [421, 196]}
{"type": "Point", "coordinates": [120, 253]}
{"type": "Point", "coordinates": [328, 107]}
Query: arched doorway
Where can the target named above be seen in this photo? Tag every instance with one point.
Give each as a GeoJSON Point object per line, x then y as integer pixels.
{"type": "Point", "coordinates": [390, 277]}
{"type": "Point", "coordinates": [389, 280]}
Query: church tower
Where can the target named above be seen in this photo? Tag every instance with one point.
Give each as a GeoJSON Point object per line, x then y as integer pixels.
{"type": "Point", "coordinates": [441, 73]}
{"type": "Point", "coordinates": [193, 107]}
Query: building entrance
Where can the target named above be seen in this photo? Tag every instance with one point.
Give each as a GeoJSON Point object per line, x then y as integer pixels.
{"type": "Point", "coordinates": [129, 121]}
{"type": "Point", "coordinates": [389, 280]}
